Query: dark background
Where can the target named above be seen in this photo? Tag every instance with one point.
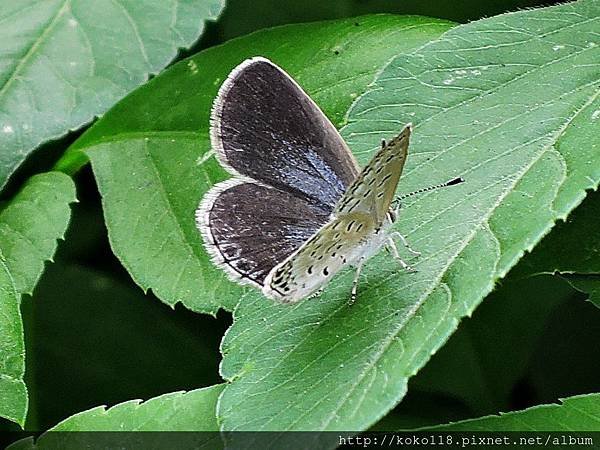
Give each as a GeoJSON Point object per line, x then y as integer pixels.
{"type": "Point", "coordinates": [94, 338]}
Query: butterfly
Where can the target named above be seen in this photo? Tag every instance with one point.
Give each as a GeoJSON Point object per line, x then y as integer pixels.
{"type": "Point", "coordinates": [298, 208]}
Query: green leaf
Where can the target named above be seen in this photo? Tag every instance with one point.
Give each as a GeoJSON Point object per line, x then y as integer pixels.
{"type": "Point", "coordinates": [29, 226]}
{"type": "Point", "coordinates": [151, 156]}
{"type": "Point", "coordinates": [577, 413]}
{"type": "Point", "coordinates": [528, 343]}
{"type": "Point", "coordinates": [64, 61]}
{"type": "Point", "coordinates": [496, 101]}
{"type": "Point", "coordinates": [13, 392]}
{"type": "Point", "coordinates": [487, 363]}
{"type": "Point", "coordinates": [178, 411]}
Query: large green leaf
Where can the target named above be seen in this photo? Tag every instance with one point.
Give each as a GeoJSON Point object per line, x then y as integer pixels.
{"type": "Point", "coordinates": [64, 61]}
{"type": "Point", "coordinates": [31, 223]}
{"type": "Point", "coordinates": [513, 352]}
{"type": "Point", "coordinates": [578, 413]}
{"type": "Point", "coordinates": [29, 226]}
{"type": "Point", "coordinates": [507, 102]}
{"type": "Point", "coordinates": [151, 156]}
{"type": "Point", "coordinates": [178, 411]}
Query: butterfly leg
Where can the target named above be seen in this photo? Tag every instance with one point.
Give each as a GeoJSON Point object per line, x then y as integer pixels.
{"type": "Point", "coordinates": [405, 243]}
{"type": "Point", "coordinates": [355, 283]}
{"type": "Point", "coordinates": [317, 293]}
{"type": "Point", "coordinates": [394, 249]}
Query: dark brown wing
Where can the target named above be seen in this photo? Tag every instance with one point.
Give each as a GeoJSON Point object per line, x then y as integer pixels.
{"type": "Point", "coordinates": [265, 126]}
{"type": "Point", "coordinates": [249, 228]}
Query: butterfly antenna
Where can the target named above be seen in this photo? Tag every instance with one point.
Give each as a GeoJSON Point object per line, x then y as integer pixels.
{"type": "Point", "coordinates": [451, 182]}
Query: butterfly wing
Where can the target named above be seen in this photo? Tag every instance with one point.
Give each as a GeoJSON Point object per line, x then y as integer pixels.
{"type": "Point", "coordinates": [340, 242]}
{"type": "Point", "coordinates": [249, 228]}
{"type": "Point", "coordinates": [373, 191]}
{"type": "Point", "coordinates": [264, 126]}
